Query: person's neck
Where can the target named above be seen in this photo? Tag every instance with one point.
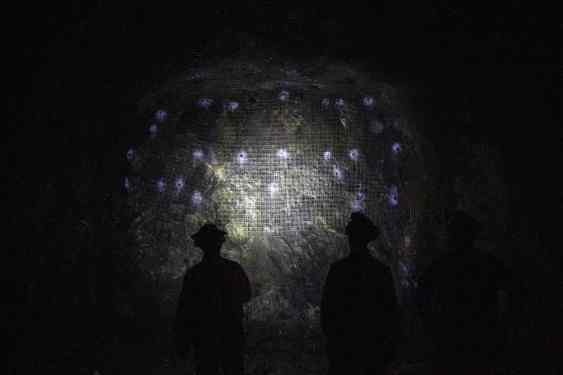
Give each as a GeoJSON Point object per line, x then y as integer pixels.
{"type": "Point", "coordinates": [211, 257]}
{"type": "Point", "coordinates": [359, 250]}
{"type": "Point", "coordinates": [462, 247]}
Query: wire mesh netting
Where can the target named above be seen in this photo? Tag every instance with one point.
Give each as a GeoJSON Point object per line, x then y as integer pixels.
{"type": "Point", "coordinates": [279, 158]}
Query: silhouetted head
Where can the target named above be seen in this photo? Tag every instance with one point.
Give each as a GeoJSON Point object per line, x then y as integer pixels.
{"type": "Point", "coordinates": [463, 230]}
{"type": "Point", "coordinates": [360, 231]}
{"type": "Point", "coordinates": [209, 238]}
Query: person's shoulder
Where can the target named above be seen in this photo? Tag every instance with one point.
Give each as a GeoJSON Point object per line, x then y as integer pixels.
{"type": "Point", "coordinates": [338, 266]}
{"type": "Point", "coordinates": [374, 262]}
{"type": "Point", "coordinates": [340, 263]}
{"type": "Point", "coordinates": [357, 261]}
{"type": "Point", "coordinates": [495, 264]}
{"type": "Point", "coordinates": [231, 264]}
{"type": "Point", "coordinates": [448, 260]}
{"type": "Point", "coordinates": [379, 269]}
{"type": "Point", "coordinates": [442, 266]}
{"type": "Point", "coordinates": [193, 270]}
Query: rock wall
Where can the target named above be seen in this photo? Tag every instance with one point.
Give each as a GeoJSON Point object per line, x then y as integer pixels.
{"type": "Point", "coordinates": [279, 155]}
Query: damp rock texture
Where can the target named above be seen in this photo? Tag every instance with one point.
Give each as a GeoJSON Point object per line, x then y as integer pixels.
{"type": "Point", "coordinates": [278, 154]}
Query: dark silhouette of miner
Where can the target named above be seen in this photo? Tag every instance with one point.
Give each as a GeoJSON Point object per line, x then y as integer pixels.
{"type": "Point", "coordinates": [359, 314]}
{"type": "Point", "coordinates": [209, 318]}
{"type": "Point", "coordinates": [464, 300]}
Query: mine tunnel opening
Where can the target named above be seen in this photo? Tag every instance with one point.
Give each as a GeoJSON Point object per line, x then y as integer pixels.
{"type": "Point", "coordinates": [279, 159]}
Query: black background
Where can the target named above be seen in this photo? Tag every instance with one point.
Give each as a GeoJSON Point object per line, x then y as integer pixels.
{"type": "Point", "coordinates": [76, 68]}
{"type": "Point", "coordinates": [79, 67]}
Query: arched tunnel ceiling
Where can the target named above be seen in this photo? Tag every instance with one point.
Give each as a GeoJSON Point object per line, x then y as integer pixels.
{"type": "Point", "coordinates": [278, 154]}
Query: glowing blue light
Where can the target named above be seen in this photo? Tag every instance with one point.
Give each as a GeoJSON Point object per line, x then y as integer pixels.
{"type": "Point", "coordinates": [396, 147]}
{"type": "Point", "coordinates": [368, 101]}
{"type": "Point", "coordinates": [126, 184]}
{"type": "Point", "coordinates": [130, 154]}
{"type": "Point", "coordinates": [376, 127]}
{"type": "Point", "coordinates": [153, 130]}
{"type": "Point", "coordinates": [232, 106]}
{"type": "Point", "coordinates": [358, 204]}
{"type": "Point", "coordinates": [283, 95]}
{"type": "Point", "coordinates": [282, 154]}
{"type": "Point", "coordinates": [273, 188]}
{"type": "Point", "coordinates": [197, 154]}
{"type": "Point", "coordinates": [179, 183]}
{"type": "Point", "coordinates": [407, 271]}
{"type": "Point", "coordinates": [205, 103]}
{"type": "Point", "coordinates": [242, 157]}
{"type": "Point", "coordinates": [327, 155]}
{"type": "Point", "coordinates": [337, 173]}
{"type": "Point", "coordinates": [325, 102]}
{"type": "Point", "coordinates": [354, 154]}
{"type": "Point", "coordinates": [197, 76]}
{"type": "Point", "coordinates": [160, 116]}
{"type": "Point", "coordinates": [197, 198]}
{"type": "Point", "coordinates": [161, 185]}
{"type": "Point", "coordinates": [339, 103]}
{"type": "Point", "coordinates": [393, 195]}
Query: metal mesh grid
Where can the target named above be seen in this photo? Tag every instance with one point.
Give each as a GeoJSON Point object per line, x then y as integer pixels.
{"type": "Point", "coordinates": [229, 158]}
{"type": "Point", "coordinates": [305, 166]}
{"type": "Point", "coordinates": [276, 164]}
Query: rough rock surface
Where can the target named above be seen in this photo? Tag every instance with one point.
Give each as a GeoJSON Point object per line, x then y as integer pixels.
{"type": "Point", "coordinates": [279, 155]}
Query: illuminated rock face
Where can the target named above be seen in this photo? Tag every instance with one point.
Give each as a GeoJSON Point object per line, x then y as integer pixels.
{"type": "Point", "coordinates": [280, 158]}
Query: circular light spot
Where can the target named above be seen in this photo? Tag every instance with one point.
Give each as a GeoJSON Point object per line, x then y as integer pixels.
{"type": "Point", "coordinates": [283, 95]}
{"type": "Point", "coordinates": [160, 116]}
{"type": "Point", "coordinates": [232, 106]}
{"type": "Point", "coordinates": [205, 103]}
{"type": "Point", "coordinates": [396, 147]}
{"type": "Point", "coordinates": [273, 188]}
{"type": "Point", "coordinates": [197, 198]}
{"type": "Point", "coordinates": [242, 157]}
{"type": "Point", "coordinates": [197, 154]}
{"type": "Point", "coordinates": [179, 183]}
{"type": "Point", "coordinates": [130, 154]}
{"type": "Point", "coordinates": [358, 204]}
{"type": "Point", "coordinates": [368, 101]}
{"type": "Point", "coordinates": [393, 195]}
{"type": "Point", "coordinates": [337, 173]}
{"type": "Point", "coordinates": [153, 130]}
{"type": "Point", "coordinates": [354, 154]}
{"type": "Point", "coordinates": [161, 185]}
{"type": "Point", "coordinates": [283, 154]}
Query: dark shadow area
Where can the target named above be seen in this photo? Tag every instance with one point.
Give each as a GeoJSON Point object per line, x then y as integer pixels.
{"type": "Point", "coordinates": [479, 76]}
{"type": "Point", "coordinates": [359, 310]}
{"type": "Point", "coordinates": [464, 301]}
{"type": "Point", "coordinates": [209, 319]}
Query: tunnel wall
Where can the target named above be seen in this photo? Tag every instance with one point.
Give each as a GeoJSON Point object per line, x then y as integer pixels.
{"type": "Point", "coordinates": [279, 155]}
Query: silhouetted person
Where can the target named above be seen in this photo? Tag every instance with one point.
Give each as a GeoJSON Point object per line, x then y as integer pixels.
{"type": "Point", "coordinates": [465, 295]}
{"type": "Point", "coordinates": [359, 308]}
{"type": "Point", "coordinates": [210, 309]}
